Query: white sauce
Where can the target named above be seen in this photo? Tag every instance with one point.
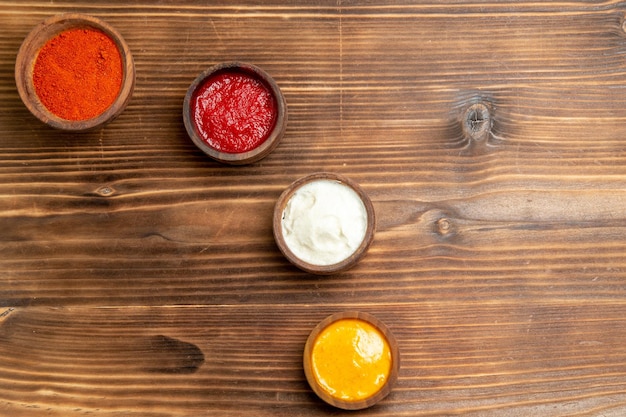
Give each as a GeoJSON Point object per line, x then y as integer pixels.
{"type": "Point", "coordinates": [324, 222]}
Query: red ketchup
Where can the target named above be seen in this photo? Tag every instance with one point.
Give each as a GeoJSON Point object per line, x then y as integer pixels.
{"type": "Point", "coordinates": [234, 112]}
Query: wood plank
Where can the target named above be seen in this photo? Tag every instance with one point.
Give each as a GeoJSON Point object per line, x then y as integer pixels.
{"type": "Point", "coordinates": [493, 359]}
{"type": "Point", "coordinates": [140, 278]}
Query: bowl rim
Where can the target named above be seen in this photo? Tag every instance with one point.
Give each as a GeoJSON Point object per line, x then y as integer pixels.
{"type": "Point", "coordinates": [268, 145]}
{"type": "Point", "coordinates": [29, 51]}
{"type": "Point", "coordinates": [348, 262]}
{"type": "Point", "coordinates": [393, 348]}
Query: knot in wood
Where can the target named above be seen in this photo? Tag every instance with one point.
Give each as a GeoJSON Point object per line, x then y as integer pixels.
{"type": "Point", "coordinates": [105, 191]}
{"type": "Point", "coordinates": [443, 226]}
{"type": "Point", "coordinates": [477, 121]}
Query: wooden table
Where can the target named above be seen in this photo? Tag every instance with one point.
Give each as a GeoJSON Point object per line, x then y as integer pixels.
{"type": "Point", "coordinates": [140, 278]}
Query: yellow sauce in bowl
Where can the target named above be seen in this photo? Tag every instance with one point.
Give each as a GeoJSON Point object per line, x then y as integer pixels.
{"type": "Point", "coordinates": [351, 359]}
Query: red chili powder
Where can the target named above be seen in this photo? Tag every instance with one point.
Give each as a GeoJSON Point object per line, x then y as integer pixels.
{"type": "Point", "coordinates": [234, 112]}
{"type": "Point", "coordinates": [78, 74]}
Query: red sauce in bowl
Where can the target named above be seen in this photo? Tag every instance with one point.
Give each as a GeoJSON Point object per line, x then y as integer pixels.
{"type": "Point", "coordinates": [234, 112]}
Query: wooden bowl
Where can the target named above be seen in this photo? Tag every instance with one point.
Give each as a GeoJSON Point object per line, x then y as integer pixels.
{"type": "Point", "coordinates": [262, 149]}
{"type": "Point", "coordinates": [333, 400]}
{"type": "Point", "coordinates": [27, 56]}
{"type": "Point", "coordinates": [315, 268]}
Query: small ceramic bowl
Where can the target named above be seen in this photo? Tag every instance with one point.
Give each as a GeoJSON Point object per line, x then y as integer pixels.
{"type": "Point", "coordinates": [313, 237]}
{"type": "Point", "coordinates": [29, 51]}
{"type": "Point", "coordinates": [235, 156]}
{"type": "Point", "coordinates": [348, 368]}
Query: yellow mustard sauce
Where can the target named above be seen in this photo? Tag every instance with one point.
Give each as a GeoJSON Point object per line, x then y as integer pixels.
{"type": "Point", "coordinates": [351, 359]}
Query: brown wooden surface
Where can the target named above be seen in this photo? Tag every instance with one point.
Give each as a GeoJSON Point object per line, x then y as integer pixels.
{"type": "Point", "coordinates": [140, 278]}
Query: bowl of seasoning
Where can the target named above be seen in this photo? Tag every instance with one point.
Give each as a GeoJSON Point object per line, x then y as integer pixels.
{"type": "Point", "coordinates": [74, 72]}
{"type": "Point", "coordinates": [324, 223]}
{"type": "Point", "coordinates": [351, 360]}
{"type": "Point", "coordinates": [235, 113]}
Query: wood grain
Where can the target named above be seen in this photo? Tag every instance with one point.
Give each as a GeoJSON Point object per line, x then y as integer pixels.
{"type": "Point", "coordinates": [554, 359]}
{"type": "Point", "coordinates": [140, 278]}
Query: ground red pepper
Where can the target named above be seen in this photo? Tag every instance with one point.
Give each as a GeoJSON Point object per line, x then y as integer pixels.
{"type": "Point", "coordinates": [234, 112]}
{"type": "Point", "coordinates": [78, 74]}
